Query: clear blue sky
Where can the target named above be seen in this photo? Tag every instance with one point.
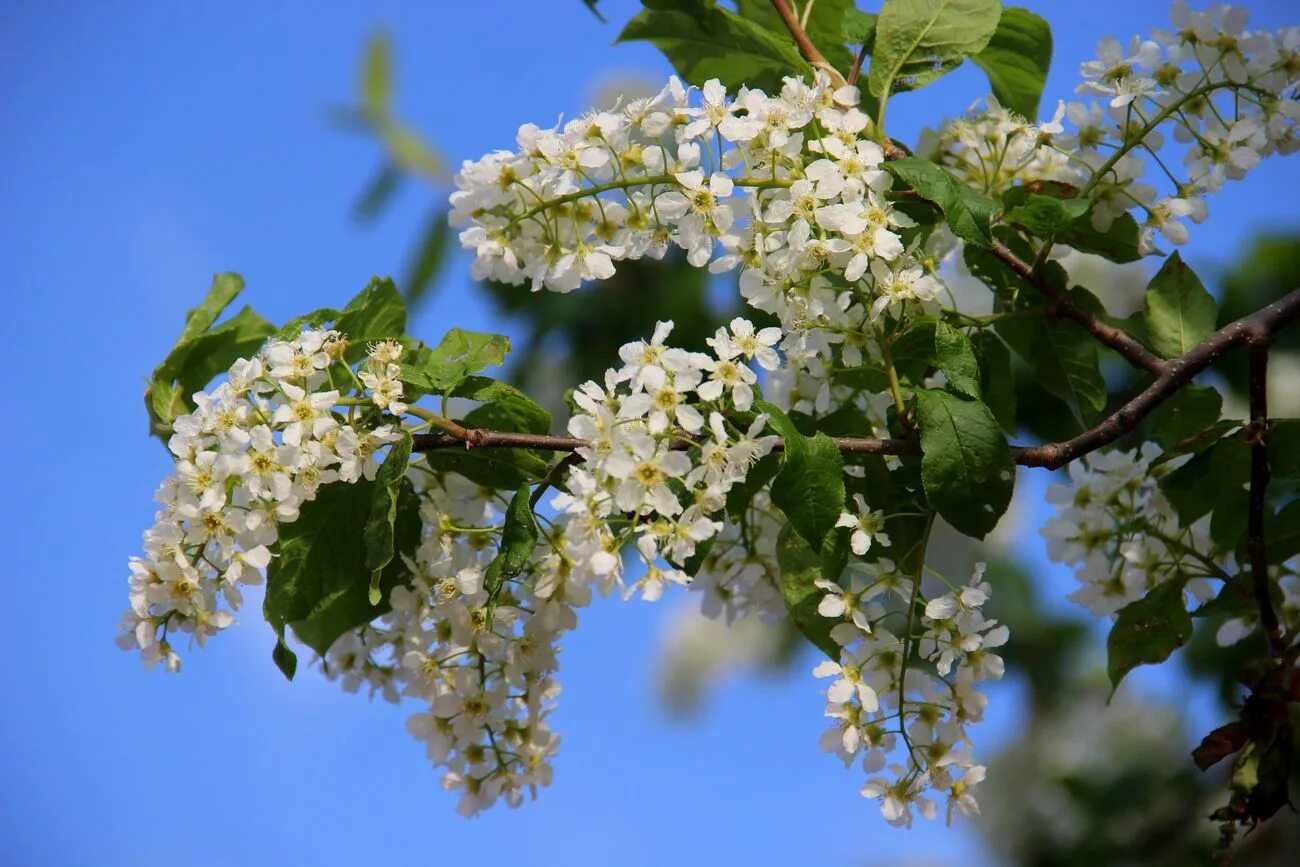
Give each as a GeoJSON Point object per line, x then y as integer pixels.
{"type": "Point", "coordinates": [145, 147]}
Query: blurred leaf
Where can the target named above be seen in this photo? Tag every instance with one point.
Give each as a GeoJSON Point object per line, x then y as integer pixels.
{"type": "Point", "coordinates": [375, 82]}
{"type": "Point", "coordinates": [429, 257]}
{"type": "Point", "coordinates": [997, 377]}
{"type": "Point", "coordinates": [378, 192]}
{"type": "Point", "coordinates": [801, 566]}
{"type": "Point", "coordinates": [380, 528]}
{"type": "Point", "coordinates": [1187, 413]}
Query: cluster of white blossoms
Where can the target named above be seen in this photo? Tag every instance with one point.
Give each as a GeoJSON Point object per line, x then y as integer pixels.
{"type": "Point", "coordinates": [885, 707]}
{"type": "Point", "coordinates": [1118, 531]}
{"type": "Point", "coordinates": [256, 448]}
{"type": "Point", "coordinates": [788, 185]}
{"type": "Point", "coordinates": [486, 672]}
{"type": "Point", "coordinates": [1227, 96]}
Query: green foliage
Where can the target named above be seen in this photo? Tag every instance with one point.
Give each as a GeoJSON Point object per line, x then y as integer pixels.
{"type": "Point", "coordinates": [936, 344]}
{"type": "Point", "coordinates": [1118, 243]}
{"type": "Point", "coordinates": [859, 28]}
{"type": "Point", "coordinates": [1065, 362]}
{"type": "Point", "coordinates": [801, 566]}
{"type": "Point", "coordinates": [376, 313]}
{"type": "Point", "coordinates": [1017, 59]}
{"type": "Point", "coordinates": [1179, 312]}
{"type": "Point", "coordinates": [503, 407]}
{"type": "Point", "coordinates": [460, 354]}
{"type": "Point", "coordinates": [202, 352]}
{"type": "Point", "coordinates": [319, 582]}
{"type": "Point", "coordinates": [968, 212]}
{"type": "Point", "coordinates": [1208, 479]}
{"type": "Point", "coordinates": [703, 40]}
{"type": "Point", "coordinates": [375, 79]}
{"type": "Point", "coordinates": [381, 525]}
{"type": "Point", "coordinates": [967, 468]}
{"type": "Point", "coordinates": [998, 378]}
{"type": "Point", "coordinates": [430, 254]}
{"type": "Point", "coordinates": [1183, 416]}
{"type": "Point", "coordinates": [810, 487]}
{"type": "Point", "coordinates": [1148, 630]}
{"type": "Point", "coordinates": [919, 40]}
{"type": "Point", "coordinates": [1047, 216]}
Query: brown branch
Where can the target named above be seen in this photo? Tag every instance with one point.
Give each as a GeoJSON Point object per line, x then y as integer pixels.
{"type": "Point", "coordinates": [1176, 373]}
{"type": "Point", "coordinates": [1063, 306]}
{"type": "Point", "coordinates": [1258, 345]}
{"type": "Point", "coordinates": [857, 64]}
{"type": "Point", "coordinates": [809, 51]}
{"type": "Point", "coordinates": [1258, 327]}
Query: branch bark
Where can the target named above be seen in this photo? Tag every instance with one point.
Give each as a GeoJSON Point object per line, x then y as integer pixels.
{"type": "Point", "coordinates": [1259, 327]}
{"type": "Point", "coordinates": [1062, 305]}
{"type": "Point", "coordinates": [809, 51]}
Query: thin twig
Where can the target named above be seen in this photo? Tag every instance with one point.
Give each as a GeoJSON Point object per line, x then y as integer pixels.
{"type": "Point", "coordinates": [1258, 345]}
{"type": "Point", "coordinates": [1062, 305]}
{"type": "Point", "coordinates": [856, 68]}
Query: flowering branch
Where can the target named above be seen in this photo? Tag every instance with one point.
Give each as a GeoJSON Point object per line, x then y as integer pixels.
{"type": "Point", "coordinates": [1062, 305]}
{"type": "Point", "coordinates": [1258, 345]}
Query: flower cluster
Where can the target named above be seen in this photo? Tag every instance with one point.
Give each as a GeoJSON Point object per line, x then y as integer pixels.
{"type": "Point", "coordinates": [821, 243]}
{"type": "Point", "coordinates": [660, 459]}
{"type": "Point", "coordinates": [1224, 94]}
{"type": "Point", "coordinates": [1122, 536]}
{"type": "Point", "coordinates": [881, 700]}
{"type": "Point", "coordinates": [255, 449]}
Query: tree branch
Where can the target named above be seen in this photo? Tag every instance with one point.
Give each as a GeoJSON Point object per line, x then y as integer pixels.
{"type": "Point", "coordinates": [1259, 327]}
{"type": "Point", "coordinates": [1062, 305]}
{"type": "Point", "coordinates": [809, 51]}
{"type": "Point", "coordinates": [1258, 346]}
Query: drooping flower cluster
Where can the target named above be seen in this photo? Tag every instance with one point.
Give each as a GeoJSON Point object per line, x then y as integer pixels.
{"type": "Point", "coordinates": [1227, 96]}
{"type": "Point", "coordinates": [255, 449]}
{"type": "Point", "coordinates": [886, 707]}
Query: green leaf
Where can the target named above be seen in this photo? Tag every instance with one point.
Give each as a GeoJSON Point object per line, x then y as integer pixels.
{"type": "Point", "coordinates": [318, 582]}
{"type": "Point", "coordinates": [375, 313]}
{"type": "Point", "coordinates": [1119, 243]}
{"type": "Point", "coordinates": [505, 407]}
{"type": "Point", "coordinates": [742, 493]}
{"type": "Point", "coordinates": [315, 319]}
{"type": "Point", "coordinates": [997, 377]}
{"type": "Point", "coordinates": [409, 150]}
{"type": "Point", "coordinates": [801, 566]}
{"type": "Point", "coordinates": [919, 40]}
{"type": "Point", "coordinates": [1191, 410]}
{"type": "Point", "coordinates": [809, 489]}
{"type": "Point", "coordinates": [1283, 441]}
{"type": "Point", "coordinates": [933, 343]}
{"type": "Point", "coordinates": [375, 83]}
{"type": "Point", "coordinates": [1064, 358]}
{"type": "Point", "coordinates": [380, 526]}
{"type": "Point", "coordinates": [1148, 630]}
{"type": "Point", "coordinates": [460, 354]}
{"type": "Point", "coordinates": [203, 352]}
{"type": "Point", "coordinates": [432, 252]}
{"type": "Point", "coordinates": [497, 469]}
{"type": "Point", "coordinates": [968, 212]}
{"type": "Point", "coordinates": [1017, 59]}
{"type": "Point", "coordinates": [859, 28]}
{"type": "Point", "coordinates": [1282, 533]}
{"type": "Point", "coordinates": [1209, 480]}
{"type": "Point", "coordinates": [1046, 216]}
{"type": "Point", "coordinates": [1179, 312]}
{"type": "Point", "coordinates": [967, 468]}
{"type": "Point", "coordinates": [703, 41]}
{"type": "Point", "coordinates": [518, 538]}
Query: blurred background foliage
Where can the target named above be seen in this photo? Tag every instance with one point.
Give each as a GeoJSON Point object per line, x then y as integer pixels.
{"type": "Point", "coordinates": [1096, 781]}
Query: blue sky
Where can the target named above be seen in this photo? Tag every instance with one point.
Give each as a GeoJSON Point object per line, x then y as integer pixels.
{"type": "Point", "coordinates": [145, 147]}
